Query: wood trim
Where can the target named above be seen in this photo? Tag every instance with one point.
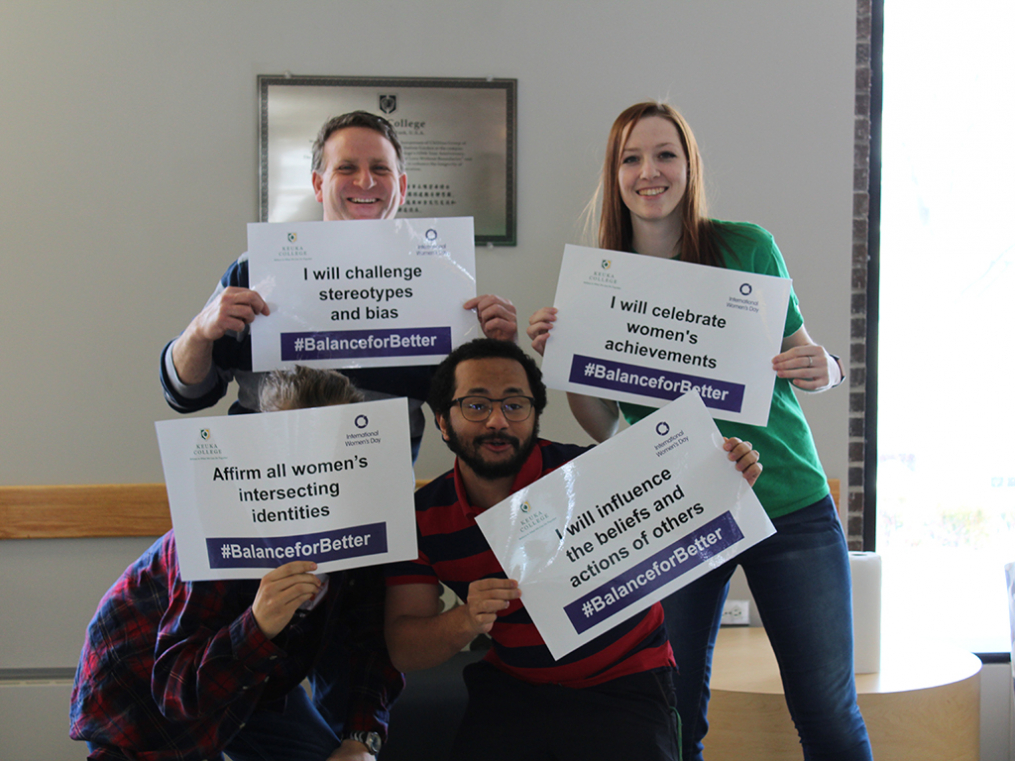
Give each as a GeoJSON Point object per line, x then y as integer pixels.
{"type": "Point", "coordinates": [104, 510]}
{"type": "Point", "coordinates": [57, 512]}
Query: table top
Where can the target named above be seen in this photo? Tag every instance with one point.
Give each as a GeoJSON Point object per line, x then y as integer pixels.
{"type": "Point", "coordinates": [744, 662]}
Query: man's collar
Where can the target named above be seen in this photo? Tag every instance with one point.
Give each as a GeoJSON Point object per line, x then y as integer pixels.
{"type": "Point", "coordinates": [531, 470]}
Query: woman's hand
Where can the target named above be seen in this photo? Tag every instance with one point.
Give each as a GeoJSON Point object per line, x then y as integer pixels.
{"type": "Point", "coordinates": [806, 364]}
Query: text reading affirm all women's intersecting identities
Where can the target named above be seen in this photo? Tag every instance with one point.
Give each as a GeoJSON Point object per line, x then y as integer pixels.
{"type": "Point", "coordinates": [330, 484]}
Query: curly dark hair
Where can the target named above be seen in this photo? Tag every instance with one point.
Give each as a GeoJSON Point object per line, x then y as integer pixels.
{"type": "Point", "coordinates": [442, 386]}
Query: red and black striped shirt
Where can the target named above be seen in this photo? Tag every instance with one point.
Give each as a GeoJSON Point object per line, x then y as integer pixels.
{"type": "Point", "coordinates": [452, 550]}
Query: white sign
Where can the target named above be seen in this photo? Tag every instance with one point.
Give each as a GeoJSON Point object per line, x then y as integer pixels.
{"type": "Point", "coordinates": [252, 492]}
{"type": "Point", "coordinates": [370, 293]}
{"type": "Point", "coordinates": [625, 525]}
{"type": "Point", "coordinates": [647, 330]}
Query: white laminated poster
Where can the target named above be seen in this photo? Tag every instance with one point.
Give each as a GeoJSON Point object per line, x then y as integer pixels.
{"type": "Point", "coordinates": [646, 330]}
{"type": "Point", "coordinates": [624, 525]}
{"type": "Point", "coordinates": [369, 293]}
{"type": "Point", "coordinates": [249, 493]}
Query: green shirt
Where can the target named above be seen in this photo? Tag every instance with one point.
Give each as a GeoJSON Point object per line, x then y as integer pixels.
{"type": "Point", "coordinates": [792, 477]}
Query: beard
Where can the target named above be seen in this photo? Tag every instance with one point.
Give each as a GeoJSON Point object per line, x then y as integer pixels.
{"type": "Point", "coordinates": [470, 452]}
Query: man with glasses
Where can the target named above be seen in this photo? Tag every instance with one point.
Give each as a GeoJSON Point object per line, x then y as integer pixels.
{"type": "Point", "coordinates": [613, 697]}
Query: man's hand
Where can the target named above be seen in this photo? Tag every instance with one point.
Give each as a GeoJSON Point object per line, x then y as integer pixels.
{"type": "Point", "coordinates": [540, 324]}
{"type": "Point", "coordinates": [282, 591]}
{"type": "Point", "coordinates": [486, 598]}
{"type": "Point", "coordinates": [743, 454]}
{"type": "Point", "coordinates": [497, 317]}
{"type": "Point", "coordinates": [233, 309]}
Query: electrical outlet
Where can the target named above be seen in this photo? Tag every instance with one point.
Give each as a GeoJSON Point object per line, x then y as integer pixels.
{"type": "Point", "coordinates": [736, 613]}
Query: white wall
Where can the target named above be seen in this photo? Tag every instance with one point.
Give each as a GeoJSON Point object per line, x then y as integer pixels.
{"type": "Point", "coordinates": [128, 160]}
{"type": "Point", "coordinates": [129, 163]}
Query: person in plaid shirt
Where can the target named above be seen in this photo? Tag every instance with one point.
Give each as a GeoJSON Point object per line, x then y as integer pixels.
{"type": "Point", "coordinates": [189, 670]}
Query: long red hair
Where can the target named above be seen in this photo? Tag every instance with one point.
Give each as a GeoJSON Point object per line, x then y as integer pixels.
{"type": "Point", "coordinates": [700, 243]}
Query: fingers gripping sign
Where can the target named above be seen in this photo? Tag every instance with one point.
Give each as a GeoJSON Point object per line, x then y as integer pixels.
{"type": "Point", "coordinates": [497, 316]}
{"type": "Point", "coordinates": [540, 324]}
{"type": "Point", "coordinates": [281, 592]}
{"type": "Point", "coordinates": [487, 598]}
{"type": "Point", "coordinates": [233, 309]}
{"type": "Point", "coordinates": [746, 458]}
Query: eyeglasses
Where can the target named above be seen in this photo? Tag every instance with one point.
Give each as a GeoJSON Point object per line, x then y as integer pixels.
{"type": "Point", "coordinates": [476, 409]}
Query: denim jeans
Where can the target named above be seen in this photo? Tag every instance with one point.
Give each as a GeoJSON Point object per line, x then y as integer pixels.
{"type": "Point", "coordinates": [298, 734]}
{"type": "Point", "coordinates": [800, 581]}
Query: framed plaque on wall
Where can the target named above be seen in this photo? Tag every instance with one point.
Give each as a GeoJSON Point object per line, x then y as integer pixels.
{"type": "Point", "coordinates": [457, 135]}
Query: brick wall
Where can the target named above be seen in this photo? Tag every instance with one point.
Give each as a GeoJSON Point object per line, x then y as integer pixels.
{"type": "Point", "coordinates": [861, 271]}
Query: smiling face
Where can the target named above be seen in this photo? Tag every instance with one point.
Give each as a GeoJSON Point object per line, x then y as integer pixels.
{"type": "Point", "coordinates": [496, 447]}
{"type": "Point", "coordinates": [360, 179]}
{"type": "Point", "coordinates": [652, 176]}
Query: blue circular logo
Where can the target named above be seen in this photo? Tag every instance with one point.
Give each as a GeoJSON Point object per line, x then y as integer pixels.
{"type": "Point", "coordinates": [745, 289]}
{"type": "Point", "coordinates": [361, 421]}
{"type": "Point", "coordinates": [663, 428]}
{"type": "Point", "coordinates": [431, 235]}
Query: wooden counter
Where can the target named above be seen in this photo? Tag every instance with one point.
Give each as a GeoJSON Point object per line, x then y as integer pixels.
{"type": "Point", "coordinates": [923, 705]}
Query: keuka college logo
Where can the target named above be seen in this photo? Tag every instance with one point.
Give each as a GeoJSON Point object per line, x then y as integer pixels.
{"type": "Point", "coordinates": [205, 448]}
{"type": "Point", "coordinates": [532, 519]}
{"type": "Point", "coordinates": [291, 237]}
{"type": "Point", "coordinates": [388, 104]}
{"type": "Point", "coordinates": [602, 276]}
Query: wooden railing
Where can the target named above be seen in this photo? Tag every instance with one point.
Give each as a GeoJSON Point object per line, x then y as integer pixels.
{"type": "Point", "coordinates": [103, 510]}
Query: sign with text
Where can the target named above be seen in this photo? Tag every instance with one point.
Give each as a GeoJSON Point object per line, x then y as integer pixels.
{"type": "Point", "coordinates": [370, 293]}
{"type": "Point", "coordinates": [249, 493]}
{"type": "Point", "coordinates": [647, 330]}
{"type": "Point", "coordinates": [626, 524]}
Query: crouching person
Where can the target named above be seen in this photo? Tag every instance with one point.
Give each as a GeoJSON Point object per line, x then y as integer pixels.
{"type": "Point", "coordinates": [191, 670]}
{"type": "Point", "coordinates": [610, 699]}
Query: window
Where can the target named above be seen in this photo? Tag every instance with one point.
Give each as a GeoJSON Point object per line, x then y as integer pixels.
{"type": "Point", "coordinates": [946, 340]}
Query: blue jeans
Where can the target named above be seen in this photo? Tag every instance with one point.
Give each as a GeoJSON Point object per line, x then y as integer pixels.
{"type": "Point", "coordinates": [298, 734]}
{"type": "Point", "coordinates": [800, 581]}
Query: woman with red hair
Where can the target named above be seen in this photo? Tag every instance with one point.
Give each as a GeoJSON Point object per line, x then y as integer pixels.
{"type": "Point", "coordinates": [653, 203]}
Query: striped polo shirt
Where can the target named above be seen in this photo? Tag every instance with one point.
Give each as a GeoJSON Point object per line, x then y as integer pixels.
{"type": "Point", "coordinates": [452, 550]}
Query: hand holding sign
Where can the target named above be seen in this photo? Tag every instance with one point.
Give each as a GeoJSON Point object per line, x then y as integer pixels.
{"type": "Point", "coordinates": [487, 598]}
{"type": "Point", "coordinates": [281, 592]}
